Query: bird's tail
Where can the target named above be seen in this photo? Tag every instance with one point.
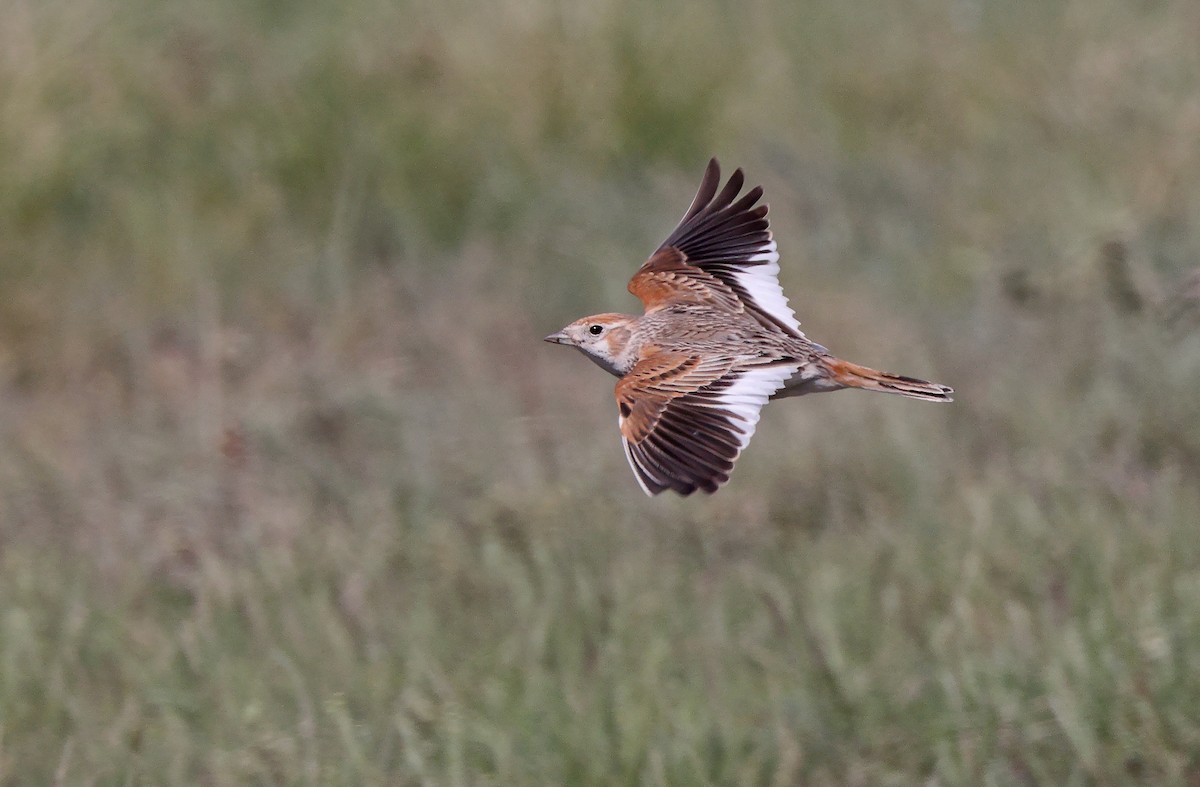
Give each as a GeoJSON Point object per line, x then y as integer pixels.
{"type": "Point", "coordinates": [851, 375]}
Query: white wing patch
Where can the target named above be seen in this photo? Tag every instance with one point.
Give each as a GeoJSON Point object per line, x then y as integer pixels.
{"type": "Point", "coordinates": [739, 397]}
{"type": "Point", "coordinates": [761, 283]}
{"type": "Point", "coordinates": [638, 471]}
{"type": "Point", "coordinates": [748, 394]}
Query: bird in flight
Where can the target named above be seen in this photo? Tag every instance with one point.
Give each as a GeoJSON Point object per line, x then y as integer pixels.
{"type": "Point", "coordinates": [716, 342]}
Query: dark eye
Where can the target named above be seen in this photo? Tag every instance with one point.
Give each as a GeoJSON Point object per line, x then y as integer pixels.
{"type": "Point", "coordinates": [596, 330]}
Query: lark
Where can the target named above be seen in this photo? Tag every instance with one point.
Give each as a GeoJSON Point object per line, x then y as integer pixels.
{"type": "Point", "coordinates": [717, 341]}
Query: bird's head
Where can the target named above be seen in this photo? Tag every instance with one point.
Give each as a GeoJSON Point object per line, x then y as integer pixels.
{"type": "Point", "coordinates": [605, 338]}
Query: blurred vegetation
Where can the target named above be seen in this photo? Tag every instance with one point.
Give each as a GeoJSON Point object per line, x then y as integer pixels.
{"type": "Point", "coordinates": [291, 493]}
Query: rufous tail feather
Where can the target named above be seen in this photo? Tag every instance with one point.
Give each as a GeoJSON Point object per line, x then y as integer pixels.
{"type": "Point", "coordinates": [852, 375]}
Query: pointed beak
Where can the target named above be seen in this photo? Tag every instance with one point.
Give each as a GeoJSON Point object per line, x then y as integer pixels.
{"type": "Point", "coordinates": [557, 338]}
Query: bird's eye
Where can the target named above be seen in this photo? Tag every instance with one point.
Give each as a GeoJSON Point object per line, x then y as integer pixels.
{"type": "Point", "coordinates": [596, 330]}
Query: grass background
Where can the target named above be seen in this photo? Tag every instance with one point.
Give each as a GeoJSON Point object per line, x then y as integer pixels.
{"type": "Point", "coordinates": [291, 493]}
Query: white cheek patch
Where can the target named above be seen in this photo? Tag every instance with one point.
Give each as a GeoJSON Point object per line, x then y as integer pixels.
{"type": "Point", "coordinates": [602, 360]}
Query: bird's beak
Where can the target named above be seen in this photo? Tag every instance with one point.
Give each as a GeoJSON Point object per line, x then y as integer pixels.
{"type": "Point", "coordinates": [557, 338]}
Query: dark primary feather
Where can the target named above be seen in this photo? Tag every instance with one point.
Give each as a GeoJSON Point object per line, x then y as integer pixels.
{"type": "Point", "coordinates": [720, 233]}
{"type": "Point", "coordinates": [680, 429]}
{"type": "Point", "coordinates": [693, 446]}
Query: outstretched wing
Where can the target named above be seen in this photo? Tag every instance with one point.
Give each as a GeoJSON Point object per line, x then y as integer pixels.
{"type": "Point", "coordinates": [685, 419]}
{"type": "Point", "coordinates": [723, 245]}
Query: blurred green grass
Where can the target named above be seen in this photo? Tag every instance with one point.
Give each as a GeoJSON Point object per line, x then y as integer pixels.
{"type": "Point", "coordinates": [291, 493]}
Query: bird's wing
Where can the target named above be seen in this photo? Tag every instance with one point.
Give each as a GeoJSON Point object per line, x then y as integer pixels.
{"type": "Point", "coordinates": [722, 248]}
{"type": "Point", "coordinates": [685, 419]}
